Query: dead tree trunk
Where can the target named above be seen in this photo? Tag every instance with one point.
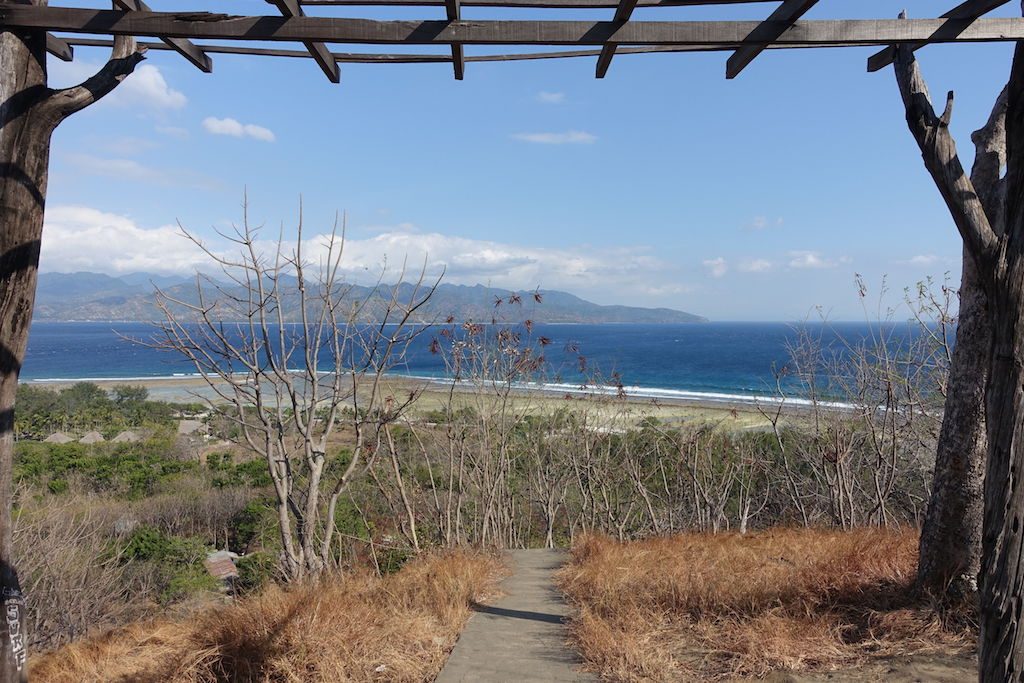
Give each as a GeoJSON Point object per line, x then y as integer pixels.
{"type": "Point", "coordinates": [29, 112]}
{"type": "Point", "coordinates": [999, 257]}
{"type": "Point", "coordinates": [1002, 579]}
{"type": "Point", "coordinates": [950, 548]}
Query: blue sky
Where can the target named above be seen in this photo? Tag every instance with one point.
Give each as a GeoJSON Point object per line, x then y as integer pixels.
{"type": "Point", "coordinates": [662, 185]}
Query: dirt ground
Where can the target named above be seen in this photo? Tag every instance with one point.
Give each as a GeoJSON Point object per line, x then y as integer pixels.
{"type": "Point", "coordinates": [927, 669]}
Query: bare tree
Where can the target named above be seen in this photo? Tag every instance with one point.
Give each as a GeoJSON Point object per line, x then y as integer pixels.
{"type": "Point", "coordinates": [988, 211]}
{"type": "Point", "coordinates": [305, 363]}
{"type": "Point", "coordinates": [29, 113]}
{"type": "Point", "coordinates": [950, 549]}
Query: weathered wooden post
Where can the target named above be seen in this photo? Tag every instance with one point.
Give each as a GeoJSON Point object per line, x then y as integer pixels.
{"type": "Point", "coordinates": [989, 214]}
{"type": "Point", "coordinates": [29, 112]}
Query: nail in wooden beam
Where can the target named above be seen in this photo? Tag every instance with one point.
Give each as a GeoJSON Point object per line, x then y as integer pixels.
{"type": "Point", "coordinates": [454, 10]}
{"type": "Point", "coordinates": [777, 23]}
{"type": "Point", "coordinates": [319, 51]}
{"type": "Point", "coordinates": [59, 48]}
{"type": "Point", "coordinates": [965, 12]}
{"type": "Point", "coordinates": [186, 48]}
{"type": "Point", "coordinates": [622, 14]}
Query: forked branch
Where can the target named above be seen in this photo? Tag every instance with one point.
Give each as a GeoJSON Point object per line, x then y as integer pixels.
{"type": "Point", "coordinates": [124, 57]}
{"type": "Point", "coordinates": [940, 158]}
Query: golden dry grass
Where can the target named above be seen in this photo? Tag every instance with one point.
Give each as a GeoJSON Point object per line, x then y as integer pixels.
{"type": "Point", "coordinates": [347, 628]}
{"type": "Point", "coordinates": [701, 607]}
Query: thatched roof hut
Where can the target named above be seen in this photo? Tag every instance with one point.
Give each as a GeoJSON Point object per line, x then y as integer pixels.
{"type": "Point", "coordinates": [58, 437]}
{"type": "Point", "coordinates": [92, 437]}
{"type": "Point", "coordinates": [126, 437]}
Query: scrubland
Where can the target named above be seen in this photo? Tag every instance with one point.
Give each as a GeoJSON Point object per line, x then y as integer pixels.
{"type": "Point", "coordinates": [356, 627]}
{"type": "Point", "coordinates": [726, 606]}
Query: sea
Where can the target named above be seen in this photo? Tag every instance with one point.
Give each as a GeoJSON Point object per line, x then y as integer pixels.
{"type": "Point", "coordinates": [707, 362]}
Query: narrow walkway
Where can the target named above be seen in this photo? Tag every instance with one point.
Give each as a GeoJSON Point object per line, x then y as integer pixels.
{"type": "Point", "coordinates": [522, 636]}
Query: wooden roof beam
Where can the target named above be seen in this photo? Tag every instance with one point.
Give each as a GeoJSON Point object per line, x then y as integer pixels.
{"type": "Point", "coordinates": [59, 48]}
{"type": "Point", "coordinates": [622, 14]}
{"type": "Point", "coordinates": [317, 50]}
{"type": "Point", "coordinates": [537, 4]}
{"type": "Point", "coordinates": [183, 46]}
{"type": "Point", "coordinates": [495, 32]}
{"type": "Point", "coordinates": [406, 58]}
{"type": "Point", "coordinates": [962, 15]}
{"type": "Point", "coordinates": [777, 23]}
{"type": "Point", "coordinates": [454, 10]}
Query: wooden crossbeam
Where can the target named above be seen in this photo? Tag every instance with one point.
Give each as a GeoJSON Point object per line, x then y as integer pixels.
{"type": "Point", "coordinates": [442, 32]}
{"type": "Point", "coordinates": [59, 48]}
{"type": "Point", "coordinates": [317, 50]}
{"type": "Point", "coordinates": [184, 47]}
{"type": "Point", "coordinates": [622, 14]}
{"type": "Point", "coordinates": [961, 15]}
{"type": "Point", "coordinates": [539, 4]}
{"type": "Point", "coordinates": [406, 58]}
{"type": "Point", "coordinates": [784, 16]}
{"type": "Point", "coordinates": [454, 11]}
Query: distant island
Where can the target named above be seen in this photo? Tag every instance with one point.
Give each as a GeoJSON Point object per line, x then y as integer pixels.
{"type": "Point", "coordinates": [66, 297]}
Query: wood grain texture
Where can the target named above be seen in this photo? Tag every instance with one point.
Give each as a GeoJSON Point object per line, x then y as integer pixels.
{"type": "Point", "coordinates": [539, 4]}
{"type": "Point", "coordinates": [317, 50]}
{"type": "Point", "coordinates": [622, 14]}
{"type": "Point", "coordinates": [434, 32]}
{"type": "Point", "coordinates": [784, 16]}
{"type": "Point", "coordinates": [409, 58]}
{"type": "Point", "coordinates": [182, 46]}
{"type": "Point", "coordinates": [59, 48]}
{"type": "Point", "coordinates": [454, 10]}
{"type": "Point", "coordinates": [962, 15]}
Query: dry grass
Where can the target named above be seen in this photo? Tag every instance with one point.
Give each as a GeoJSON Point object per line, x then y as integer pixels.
{"type": "Point", "coordinates": [351, 628]}
{"type": "Point", "coordinates": [715, 606]}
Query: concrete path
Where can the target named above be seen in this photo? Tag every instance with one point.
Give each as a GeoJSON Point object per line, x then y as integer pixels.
{"type": "Point", "coordinates": [521, 637]}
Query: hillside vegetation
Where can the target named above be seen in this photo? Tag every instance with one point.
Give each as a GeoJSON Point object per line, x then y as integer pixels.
{"type": "Point", "coordinates": [357, 627]}
{"type": "Point", "coordinates": [705, 607]}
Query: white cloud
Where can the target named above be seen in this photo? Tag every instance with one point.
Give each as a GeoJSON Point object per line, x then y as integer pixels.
{"type": "Point", "coordinates": [813, 260]}
{"type": "Point", "coordinates": [572, 137]}
{"type": "Point", "coordinates": [758, 265]}
{"type": "Point", "coordinates": [135, 171]}
{"type": "Point", "coordinates": [922, 260]}
{"type": "Point", "coordinates": [666, 289]}
{"type": "Point", "coordinates": [762, 222]}
{"type": "Point", "coordinates": [229, 126]}
{"type": "Point", "coordinates": [472, 261]}
{"type": "Point", "coordinates": [717, 267]}
{"type": "Point", "coordinates": [82, 238]}
{"type": "Point", "coordinates": [551, 97]}
{"type": "Point", "coordinates": [114, 167]}
{"type": "Point", "coordinates": [145, 88]}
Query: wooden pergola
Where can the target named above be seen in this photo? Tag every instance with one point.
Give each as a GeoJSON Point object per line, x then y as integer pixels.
{"type": "Point", "coordinates": [784, 27]}
{"type": "Point", "coordinates": [30, 111]}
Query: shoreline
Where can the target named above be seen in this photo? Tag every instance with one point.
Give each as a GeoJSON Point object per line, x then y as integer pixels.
{"type": "Point", "coordinates": [742, 411]}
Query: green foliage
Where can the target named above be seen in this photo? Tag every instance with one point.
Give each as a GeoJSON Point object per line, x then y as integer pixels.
{"type": "Point", "coordinates": [255, 525]}
{"type": "Point", "coordinates": [176, 562]}
{"type": "Point", "coordinates": [226, 472]}
{"type": "Point", "coordinates": [255, 570]}
{"type": "Point", "coordinates": [132, 470]}
{"type": "Point", "coordinates": [393, 559]}
{"type": "Point", "coordinates": [85, 406]}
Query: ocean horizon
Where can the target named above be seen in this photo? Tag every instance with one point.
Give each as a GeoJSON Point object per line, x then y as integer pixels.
{"type": "Point", "coordinates": [714, 361]}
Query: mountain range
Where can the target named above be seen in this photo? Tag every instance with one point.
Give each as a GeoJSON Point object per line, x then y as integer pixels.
{"type": "Point", "coordinates": [98, 297]}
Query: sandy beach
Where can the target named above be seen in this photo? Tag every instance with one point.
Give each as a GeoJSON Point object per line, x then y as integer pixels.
{"type": "Point", "coordinates": [434, 394]}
